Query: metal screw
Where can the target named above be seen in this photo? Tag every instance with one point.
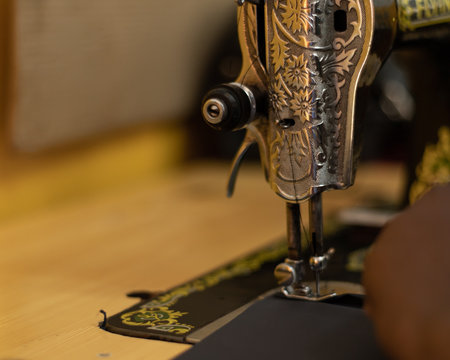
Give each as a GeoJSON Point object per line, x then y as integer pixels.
{"type": "Point", "coordinates": [285, 274]}
{"type": "Point", "coordinates": [319, 263]}
{"type": "Point", "coordinates": [214, 111]}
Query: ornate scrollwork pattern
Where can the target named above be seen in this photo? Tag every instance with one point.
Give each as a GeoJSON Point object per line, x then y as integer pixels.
{"type": "Point", "coordinates": [310, 69]}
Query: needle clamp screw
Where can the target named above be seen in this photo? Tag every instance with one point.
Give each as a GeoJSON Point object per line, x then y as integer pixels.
{"type": "Point", "coordinates": [228, 107]}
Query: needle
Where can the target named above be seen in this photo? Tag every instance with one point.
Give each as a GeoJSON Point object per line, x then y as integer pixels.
{"type": "Point", "coordinates": [316, 231]}
{"type": "Point", "coordinates": [317, 283]}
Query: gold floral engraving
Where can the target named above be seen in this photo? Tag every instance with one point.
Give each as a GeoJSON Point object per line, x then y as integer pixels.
{"type": "Point", "coordinates": [299, 40]}
{"type": "Point", "coordinates": [339, 63]}
{"type": "Point", "coordinates": [297, 15]}
{"type": "Point", "coordinates": [310, 68]}
{"type": "Point", "coordinates": [304, 105]}
{"type": "Point", "coordinates": [277, 96]}
{"type": "Point", "coordinates": [278, 48]}
{"type": "Point", "coordinates": [297, 72]}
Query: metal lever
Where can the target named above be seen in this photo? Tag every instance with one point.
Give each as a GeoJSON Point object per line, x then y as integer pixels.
{"type": "Point", "coordinates": [246, 144]}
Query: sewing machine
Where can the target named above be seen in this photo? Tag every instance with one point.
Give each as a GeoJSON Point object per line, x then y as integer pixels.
{"type": "Point", "coordinates": [300, 97]}
{"type": "Point", "coordinates": [306, 67]}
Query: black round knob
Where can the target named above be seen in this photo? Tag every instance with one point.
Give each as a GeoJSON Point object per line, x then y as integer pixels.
{"type": "Point", "coordinates": [228, 107]}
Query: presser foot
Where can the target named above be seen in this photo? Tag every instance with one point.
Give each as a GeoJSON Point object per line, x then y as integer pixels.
{"type": "Point", "coordinates": [327, 290]}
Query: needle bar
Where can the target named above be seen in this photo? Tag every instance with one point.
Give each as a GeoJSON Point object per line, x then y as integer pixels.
{"type": "Point", "coordinates": [293, 231]}
{"type": "Point", "coordinates": [316, 230]}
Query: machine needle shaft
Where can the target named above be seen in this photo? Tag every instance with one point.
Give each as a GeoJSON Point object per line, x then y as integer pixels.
{"type": "Point", "coordinates": [316, 231]}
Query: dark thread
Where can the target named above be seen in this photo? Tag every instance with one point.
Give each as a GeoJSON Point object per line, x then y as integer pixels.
{"type": "Point", "coordinates": [247, 71]}
{"type": "Point", "coordinates": [103, 323]}
{"type": "Point", "coordinates": [306, 235]}
{"type": "Point", "coordinates": [241, 9]}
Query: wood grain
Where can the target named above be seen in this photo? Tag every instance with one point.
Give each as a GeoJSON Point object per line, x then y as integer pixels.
{"type": "Point", "coordinates": [59, 267]}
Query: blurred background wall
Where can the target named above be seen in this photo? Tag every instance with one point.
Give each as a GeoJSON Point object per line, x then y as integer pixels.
{"type": "Point", "coordinates": [94, 94]}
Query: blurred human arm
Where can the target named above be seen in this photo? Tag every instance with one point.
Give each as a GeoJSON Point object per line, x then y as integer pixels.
{"type": "Point", "coordinates": [407, 280]}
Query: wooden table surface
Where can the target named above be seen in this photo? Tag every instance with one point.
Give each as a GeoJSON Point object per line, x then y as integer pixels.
{"type": "Point", "coordinates": [59, 267]}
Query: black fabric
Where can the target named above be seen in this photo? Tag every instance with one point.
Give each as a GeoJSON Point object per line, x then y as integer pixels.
{"type": "Point", "coordinates": [276, 328]}
{"type": "Point", "coordinates": [201, 307]}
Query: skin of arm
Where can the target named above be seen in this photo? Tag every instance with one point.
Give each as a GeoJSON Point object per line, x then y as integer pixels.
{"type": "Point", "coordinates": [407, 280]}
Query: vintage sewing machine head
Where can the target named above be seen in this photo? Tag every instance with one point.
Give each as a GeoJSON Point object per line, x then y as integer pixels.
{"type": "Point", "coordinates": [306, 66]}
